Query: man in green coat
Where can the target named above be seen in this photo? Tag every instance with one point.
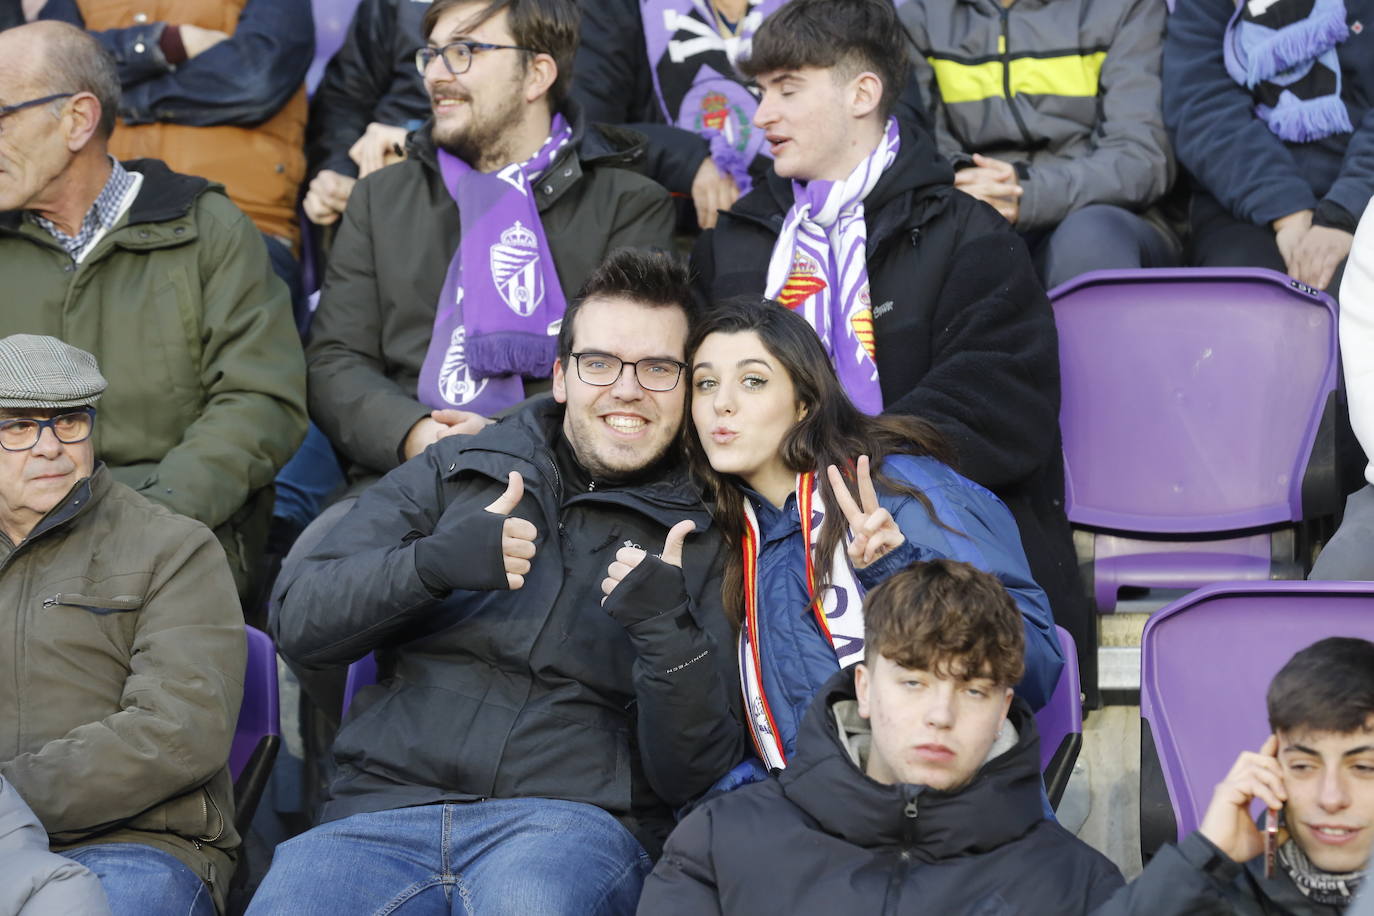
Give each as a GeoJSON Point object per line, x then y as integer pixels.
{"type": "Point", "coordinates": [123, 652]}
{"type": "Point", "coordinates": [162, 278]}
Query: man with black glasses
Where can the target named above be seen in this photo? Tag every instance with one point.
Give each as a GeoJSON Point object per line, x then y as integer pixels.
{"type": "Point", "coordinates": [544, 603]}
{"type": "Point", "coordinates": [123, 655]}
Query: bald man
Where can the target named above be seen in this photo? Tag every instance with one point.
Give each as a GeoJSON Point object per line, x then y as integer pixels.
{"type": "Point", "coordinates": [162, 278]}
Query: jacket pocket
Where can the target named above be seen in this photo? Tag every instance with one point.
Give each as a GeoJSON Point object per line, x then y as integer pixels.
{"type": "Point", "coordinates": [96, 604]}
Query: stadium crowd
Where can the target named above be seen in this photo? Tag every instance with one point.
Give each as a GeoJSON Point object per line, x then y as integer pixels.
{"type": "Point", "coordinates": [663, 396]}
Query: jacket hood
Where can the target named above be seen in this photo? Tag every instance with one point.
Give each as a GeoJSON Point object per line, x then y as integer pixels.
{"type": "Point", "coordinates": [528, 434]}
{"type": "Point", "coordinates": [1000, 805]}
{"type": "Point", "coordinates": [602, 144]}
{"type": "Point", "coordinates": [918, 167]}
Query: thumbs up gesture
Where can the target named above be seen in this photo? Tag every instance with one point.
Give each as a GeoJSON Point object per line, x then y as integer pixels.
{"type": "Point", "coordinates": [628, 558]}
{"type": "Point", "coordinates": [517, 534]}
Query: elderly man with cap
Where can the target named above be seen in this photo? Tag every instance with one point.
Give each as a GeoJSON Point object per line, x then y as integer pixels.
{"type": "Point", "coordinates": [123, 651]}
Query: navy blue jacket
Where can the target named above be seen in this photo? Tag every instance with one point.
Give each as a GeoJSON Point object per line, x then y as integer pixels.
{"type": "Point", "coordinates": [242, 81]}
{"type": "Point", "coordinates": [796, 658]}
{"type": "Point", "coordinates": [1234, 155]}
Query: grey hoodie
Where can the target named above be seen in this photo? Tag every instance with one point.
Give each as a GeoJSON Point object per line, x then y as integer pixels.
{"type": "Point", "coordinates": [34, 881]}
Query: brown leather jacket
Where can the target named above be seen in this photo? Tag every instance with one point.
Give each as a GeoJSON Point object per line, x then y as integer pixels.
{"type": "Point", "coordinates": [262, 166]}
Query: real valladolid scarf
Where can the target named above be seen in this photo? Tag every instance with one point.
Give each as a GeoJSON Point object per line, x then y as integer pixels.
{"type": "Point", "coordinates": [820, 267]}
{"type": "Point", "coordinates": [501, 304]}
{"type": "Point", "coordinates": [693, 67]}
{"type": "Point", "coordinates": [1284, 53]}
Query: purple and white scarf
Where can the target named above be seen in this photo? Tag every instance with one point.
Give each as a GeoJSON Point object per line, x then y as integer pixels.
{"type": "Point", "coordinates": [498, 319]}
{"type": "Point", "coordinates": [695, 81]}
{"type": "Point", "coordinates": [819, 266]}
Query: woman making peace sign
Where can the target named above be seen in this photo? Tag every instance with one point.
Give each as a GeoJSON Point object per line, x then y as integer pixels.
{"type": "Point", "coordinates": [778, 442]}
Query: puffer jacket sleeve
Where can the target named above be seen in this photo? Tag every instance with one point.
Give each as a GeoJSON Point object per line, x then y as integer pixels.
{"type": "Point", "coordinates": [177, 710]}
{"type": "Point", "coordinates": [34, 881]}
{"type": "Point", "coordinates": [1354, 187]}
{"type": "Point", "coordinates": [688, 724]}
{"type": "Point", "coordinates": [1184, 880]}
{"type": "Point", "coordinates": [1216, 136]}
{"type": "Point", "coordinates": [252, 371]}
{"type": "Point", "coordinates": [684, 881]}
{"type": "Point", "coordinates": [927, 89]}
{"type": "Point", "coordinates": [1130, 164]}
{"type": "Point", "coordinates": [360, 585]}
{"type": "Point", "coordinates": [993, 383]}
{"type": "Point", "coordinates": [984, 535]}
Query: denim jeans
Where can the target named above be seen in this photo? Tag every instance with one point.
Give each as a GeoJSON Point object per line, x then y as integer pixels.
{"type": "Point", "coordinates": [499, 857]}
{"type": "Point", "coordinates": [142, 881]}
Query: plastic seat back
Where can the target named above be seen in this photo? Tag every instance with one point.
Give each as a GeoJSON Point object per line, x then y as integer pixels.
{"type": "Point", "coordinates": [257, 736]}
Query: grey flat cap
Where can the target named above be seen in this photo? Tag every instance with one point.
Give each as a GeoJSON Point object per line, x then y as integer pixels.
{"type": "Point", "coordinates": [38, 371]}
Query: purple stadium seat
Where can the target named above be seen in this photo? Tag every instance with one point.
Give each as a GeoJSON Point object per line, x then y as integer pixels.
{"type": "Point", "coordinates": [1060, 724]}
{"type": "Point", "coordinates": [1205, 665]}
{"type": "Point", "coordinates": [258, 733]}
{"type": "Point", "coordinates": [361, 673]}
{"type": "Point", "coordinates": [332, 18]}
{"type": "Point", "coordinates": [1192, 400]}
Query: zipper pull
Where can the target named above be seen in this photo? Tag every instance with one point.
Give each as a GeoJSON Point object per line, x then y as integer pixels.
{"type": "Point", "coordinates": [53, 601]}
{"type": "Point", "coordinates": [910, 809]}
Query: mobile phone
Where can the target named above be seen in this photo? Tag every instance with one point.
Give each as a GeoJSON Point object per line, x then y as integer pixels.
{"type": "Point", "coordinates": [1271, 841]}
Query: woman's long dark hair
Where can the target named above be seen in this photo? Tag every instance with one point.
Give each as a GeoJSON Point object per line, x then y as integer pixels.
{"type": "Point", "coordinates": [833, 431]}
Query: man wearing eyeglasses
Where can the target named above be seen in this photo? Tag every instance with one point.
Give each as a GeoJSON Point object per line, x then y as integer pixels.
{"type": "Point", "coordinates": [123, 651]}
{"type": "Point", "coordinates": [448, 276]}
{"type": "Point", "coordinates": [160, 276]}
{"type": "Point", "coordinates": [544, 603]}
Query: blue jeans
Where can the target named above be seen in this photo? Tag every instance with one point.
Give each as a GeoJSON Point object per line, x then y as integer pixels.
{"type": "Point", "coordinates": [308, 479]}
{"type": "Point", "coordinates": [500, 857]}
{"type": "Point", "coordinates": [142, 881]}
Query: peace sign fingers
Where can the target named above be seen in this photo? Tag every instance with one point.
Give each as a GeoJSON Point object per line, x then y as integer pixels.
{"type": "Point", "coordinates": [872, 530]}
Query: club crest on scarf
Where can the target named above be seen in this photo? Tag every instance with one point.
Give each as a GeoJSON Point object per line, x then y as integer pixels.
{"type": "Point", "coordinates": [515, 270]}
{"type": "Point", "coordinates": [862, 323]}
{"type": "Point", "coordinates": [803, 283]}
{"type": "Point", "coordinates": [455, 381]}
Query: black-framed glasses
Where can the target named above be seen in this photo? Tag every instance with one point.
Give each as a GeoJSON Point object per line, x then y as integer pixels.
{"type": "Point", "coordinates": [457, 56]}
{"type": "Point", "coordinates": [7, 110]}
{"type": "Point", "coordinates": [23, 433]}
{"type": "Point", "coordinates": [603, 369]}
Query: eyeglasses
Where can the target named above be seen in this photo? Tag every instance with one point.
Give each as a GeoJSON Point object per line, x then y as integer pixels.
{"type": "Point", "coordinates": [602, 369]}
{"type": "Point", "coordinates": [458, 55]}
{"type": "Point", "coordinates": [7, 110]}
{"type": "Point", "coordinates": [20, 435]}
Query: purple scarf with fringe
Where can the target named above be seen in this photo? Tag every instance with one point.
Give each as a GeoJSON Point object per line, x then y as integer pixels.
{"type": "Point", "coordinates": [498, 319]}
{"type": "Point", "coordinates": [695, 82]}
{"type": "Point", "coordinates": [1284, 53]}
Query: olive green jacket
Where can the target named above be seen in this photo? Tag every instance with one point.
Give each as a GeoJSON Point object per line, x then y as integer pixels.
{"type": "Point", "coordinates": [195, 335]}
{"type": "Point", "coordinates": [123, 657]}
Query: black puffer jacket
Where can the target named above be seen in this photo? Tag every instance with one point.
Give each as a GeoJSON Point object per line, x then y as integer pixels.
{"type": "Point", "coordinates": [823, 838]}
{"type": "Point", "coordinates": [630, 706]}
{"type": "Point", "coordinates": [965, 339]}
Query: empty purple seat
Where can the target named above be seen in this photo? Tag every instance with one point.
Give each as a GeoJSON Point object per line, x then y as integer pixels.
{"type": "Point", "coordinates": [1060, 723]}
{"type": "Point", "coordinates": [1205, 665]}
{"type": "Point", "coordinates": [1192, 400]}
{"type": "Point", "coordinates": [257, 736]}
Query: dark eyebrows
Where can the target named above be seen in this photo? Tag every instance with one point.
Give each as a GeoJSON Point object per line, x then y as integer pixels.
{"type": "Point", "coordinates": [1353, 752]}
{"type": "Point", "coordinates": [739, 365]}
{"type": "Point", "coordinates": [777, 79]}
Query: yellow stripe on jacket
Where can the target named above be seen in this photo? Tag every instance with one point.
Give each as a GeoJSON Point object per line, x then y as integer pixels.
{"type": "Point", "coordinates": [1067, 75]}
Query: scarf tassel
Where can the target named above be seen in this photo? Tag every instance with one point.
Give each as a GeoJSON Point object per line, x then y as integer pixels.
{"type": "Point", "coordinates": [1293, 47]}
{"type": "Point", "coordinates": [1298, 121]}
{"type": "Point", "coordinates": [511, 352]}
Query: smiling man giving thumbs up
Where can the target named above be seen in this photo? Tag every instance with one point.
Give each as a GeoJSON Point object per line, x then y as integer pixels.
{"type": "Point", "coordinates": [544, 602]}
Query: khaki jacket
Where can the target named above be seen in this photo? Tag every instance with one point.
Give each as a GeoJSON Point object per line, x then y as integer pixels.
{"type": "Point", "coordinates": [123, 657]}
{"type": "Point", "coordinates": [194, 332]}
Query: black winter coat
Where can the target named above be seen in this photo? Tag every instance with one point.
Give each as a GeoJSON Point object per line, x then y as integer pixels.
{"type": "Point", "coordinates": [491, 693]}
{"type": "Point", "coordinates": [372, 77]}
{"type": "Point", "coordinates": [823, 838]}
{"type": "Point", "coordinates": [965, 339]}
